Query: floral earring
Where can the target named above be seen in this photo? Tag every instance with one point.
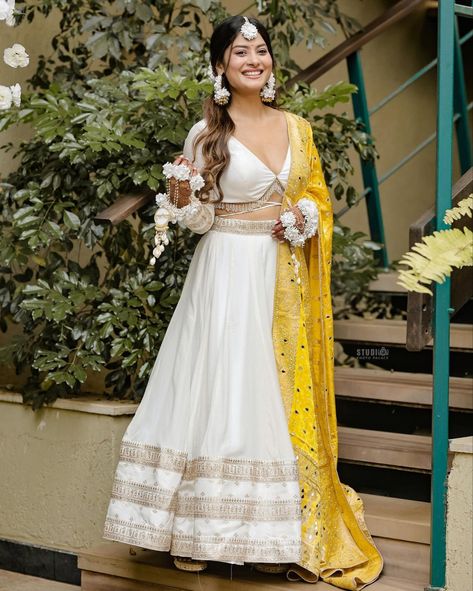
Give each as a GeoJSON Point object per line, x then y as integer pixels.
{"type": "Point", "coordinates": [221, 94]}
{"type": "Point", "coordinates": [268, 92]}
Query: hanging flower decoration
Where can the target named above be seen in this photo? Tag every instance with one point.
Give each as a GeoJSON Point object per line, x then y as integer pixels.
{"type": "Point", "coordinates": [7, 10]}
{"type": "Point", "coordinates": [14, 56]}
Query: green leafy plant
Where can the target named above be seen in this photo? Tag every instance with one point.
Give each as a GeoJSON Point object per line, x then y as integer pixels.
{"type": "Point", "coordinates": [113, 103]}
{"type": "Point", "coordinates": [437, 255]}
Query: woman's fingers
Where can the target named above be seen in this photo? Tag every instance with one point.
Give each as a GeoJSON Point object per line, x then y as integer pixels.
{"type": "Point", "coordinates": [181, 160]}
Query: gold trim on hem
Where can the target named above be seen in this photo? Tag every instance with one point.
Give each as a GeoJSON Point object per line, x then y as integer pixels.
{"type": "Point", "coordinates": [220, 548]}
{"type": "Point", "coordinates": [239, 469]}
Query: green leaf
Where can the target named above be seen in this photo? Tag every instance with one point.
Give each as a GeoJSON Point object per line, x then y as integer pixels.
{"type": "Point", "coordinates": [71, 220]}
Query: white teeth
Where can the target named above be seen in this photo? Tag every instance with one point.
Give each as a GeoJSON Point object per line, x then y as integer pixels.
{"type": "Point", "coordinates": [254, 74]}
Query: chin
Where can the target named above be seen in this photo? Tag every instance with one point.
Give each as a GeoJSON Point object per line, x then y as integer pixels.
{"type": "Point", "coordinates": [252, 84]}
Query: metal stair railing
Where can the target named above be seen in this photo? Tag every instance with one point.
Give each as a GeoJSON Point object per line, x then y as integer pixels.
{"type": "Point", "coordinates": [442, 310]}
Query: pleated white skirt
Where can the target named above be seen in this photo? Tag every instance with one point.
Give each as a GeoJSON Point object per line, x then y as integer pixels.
{"type": "Point", "coordinates": [207, 468]}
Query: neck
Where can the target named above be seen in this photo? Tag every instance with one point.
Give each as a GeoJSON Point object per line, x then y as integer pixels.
{"type": "Point", "coordinates": [246, 107]}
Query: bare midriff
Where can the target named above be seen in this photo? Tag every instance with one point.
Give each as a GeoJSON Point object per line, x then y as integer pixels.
{"type": "Point", "coordinates": [268, 211]}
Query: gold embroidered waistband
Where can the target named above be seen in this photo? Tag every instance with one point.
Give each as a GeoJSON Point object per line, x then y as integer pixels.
{"type": "Point", "coordinates": [237, 226]}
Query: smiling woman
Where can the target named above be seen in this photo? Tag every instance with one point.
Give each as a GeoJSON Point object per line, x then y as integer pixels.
{"type": "Point", "coordinates": [232, 453]}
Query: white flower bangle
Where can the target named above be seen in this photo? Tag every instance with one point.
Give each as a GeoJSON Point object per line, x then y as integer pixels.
{"type": "Point", "coordinates": [168, 211]}
{"type": "Point", "coordinates": [311, 220]}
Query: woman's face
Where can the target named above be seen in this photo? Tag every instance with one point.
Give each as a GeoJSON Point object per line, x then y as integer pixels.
{"type": "Point", "coordinates": [247, 64]}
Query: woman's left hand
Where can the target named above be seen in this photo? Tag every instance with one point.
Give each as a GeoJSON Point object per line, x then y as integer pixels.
{"type": "Point", "coordinates": [278, 229]}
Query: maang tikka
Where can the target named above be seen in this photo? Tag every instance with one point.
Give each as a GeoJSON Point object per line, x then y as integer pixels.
{"type": "Point", "coordinates": [248, 30]}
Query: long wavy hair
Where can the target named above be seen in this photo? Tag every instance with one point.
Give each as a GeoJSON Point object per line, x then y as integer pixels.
{"type": "Point", "coordinates": [214, 137]}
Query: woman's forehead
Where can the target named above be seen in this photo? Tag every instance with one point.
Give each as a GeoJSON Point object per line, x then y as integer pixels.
{"type": "Point", "coordinates": [240, 41]}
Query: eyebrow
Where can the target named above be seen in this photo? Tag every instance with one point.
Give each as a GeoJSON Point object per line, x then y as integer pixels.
{"type": "Point", "coordinates": [246, 46]}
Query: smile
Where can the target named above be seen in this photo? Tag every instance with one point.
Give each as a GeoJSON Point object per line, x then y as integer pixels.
{"type": "Point", "coordinates": [252, 73]}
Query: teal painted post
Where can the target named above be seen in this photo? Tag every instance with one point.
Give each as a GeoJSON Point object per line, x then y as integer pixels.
{"type": "Point", "coordinates": [441, 325]}
{"type": "Point", "coordinates": [461, 107]}
{"type": "Point", "coordinates": [368, 169]}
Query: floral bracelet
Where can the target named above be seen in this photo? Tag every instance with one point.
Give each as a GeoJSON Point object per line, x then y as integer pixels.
{"type": "Point", "coordinates": [311, 220]}
{"type": "Point", "coordinates": [168, 211]}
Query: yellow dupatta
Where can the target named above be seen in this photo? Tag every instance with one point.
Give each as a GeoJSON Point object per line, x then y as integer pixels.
{"type": "Point", "coordinates": [336, 544]}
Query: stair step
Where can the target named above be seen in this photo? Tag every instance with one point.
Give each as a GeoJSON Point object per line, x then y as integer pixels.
{"type": "Point", "coordinates": [399, 387]}
{"type": "Point", "coordinates": [110, 567]}
{"type": "Point", "coordinates": [383, 448]}
{"type": "Point", "coordinates": [11, 581]}
{"type": "Point", "coordinates": [405, 561]}
{"type": "Point", "coordinates": [363, 330]}
{"type": "Point", "coordinates": [397, 519]}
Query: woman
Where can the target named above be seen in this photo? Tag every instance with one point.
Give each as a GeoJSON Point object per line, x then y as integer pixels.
{"type": "Point", "coordinates": [232, 453]}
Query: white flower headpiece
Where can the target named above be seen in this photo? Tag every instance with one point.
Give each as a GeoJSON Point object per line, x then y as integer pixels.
{"type": "Point", "coordinates": [248, 30]}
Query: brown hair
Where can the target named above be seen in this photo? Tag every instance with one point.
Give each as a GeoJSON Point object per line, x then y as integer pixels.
{"type": "Point", "coordinates": [220, 126]}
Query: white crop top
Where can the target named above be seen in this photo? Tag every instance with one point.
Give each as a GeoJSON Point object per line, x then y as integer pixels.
{"type": "Point", "coordinates": [245, 179]}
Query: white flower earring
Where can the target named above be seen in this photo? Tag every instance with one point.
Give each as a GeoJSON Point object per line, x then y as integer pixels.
{"type": "Point", "coordinates": [268, 92]}
{"type": "Point", "coordinates": [221, 94]}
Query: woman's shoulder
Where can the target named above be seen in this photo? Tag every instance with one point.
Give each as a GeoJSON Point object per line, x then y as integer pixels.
{"type": "Point", "coordinates": [197, 127]}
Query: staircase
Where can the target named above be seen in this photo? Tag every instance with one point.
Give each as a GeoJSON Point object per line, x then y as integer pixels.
{"type": "Point", "coordinates": [111, 567]}
{"type": "Point", "coordinates": [384, 416]}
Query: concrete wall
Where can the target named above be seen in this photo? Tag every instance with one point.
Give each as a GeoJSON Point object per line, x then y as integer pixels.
{"type": "Point", "coordinates": [460, 516]}
{"type": "Point", "coordinates": [56, 469]}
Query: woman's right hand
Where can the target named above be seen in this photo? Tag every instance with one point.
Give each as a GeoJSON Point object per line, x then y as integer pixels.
{"type": "Point", "coordinates": [183, 186]}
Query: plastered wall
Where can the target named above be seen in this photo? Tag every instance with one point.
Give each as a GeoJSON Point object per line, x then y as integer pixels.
{"type": "Point", "coordinates": [460, 517]}
{"type": "Point", "coordinates": [56, 473]}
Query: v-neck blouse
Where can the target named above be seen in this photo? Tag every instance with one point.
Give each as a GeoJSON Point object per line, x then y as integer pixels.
{"type": "Point", "coordinates": [246, 177]}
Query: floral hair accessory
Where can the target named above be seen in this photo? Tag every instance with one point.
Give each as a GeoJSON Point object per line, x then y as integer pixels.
{"type": "Point", "coordinates": [248, 30]}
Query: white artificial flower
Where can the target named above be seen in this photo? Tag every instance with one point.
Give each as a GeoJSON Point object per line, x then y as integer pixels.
{"type": "Point", "coordinates": [16, 56]}
{"type": "Point", "coordinates": [4, 10]}
{"type": "Point", "coordinates": [7, 8]}
{"type": "Point", "coordinates": [179, 171]}
{"type": "Point", "coordinates": [5, 98]}
{"type": "Point", "coordinates": [16, 94]}
{"type": "Point", "coordinates": [196, 182]}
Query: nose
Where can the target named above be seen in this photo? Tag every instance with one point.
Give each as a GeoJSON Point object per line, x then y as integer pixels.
{"type": "Point", "coordinates": [253, 58]}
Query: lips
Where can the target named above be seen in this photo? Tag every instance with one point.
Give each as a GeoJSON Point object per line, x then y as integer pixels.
{"type": "Point", "coordinates": [252, 73]}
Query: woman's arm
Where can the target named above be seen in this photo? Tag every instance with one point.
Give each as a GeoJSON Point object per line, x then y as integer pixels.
{"type": "Point", "coordinates": [202, 218]}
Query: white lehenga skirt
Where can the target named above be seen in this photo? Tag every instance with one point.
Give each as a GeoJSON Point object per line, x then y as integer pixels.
{"type": "Point", "coordinates": [206, 467]}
